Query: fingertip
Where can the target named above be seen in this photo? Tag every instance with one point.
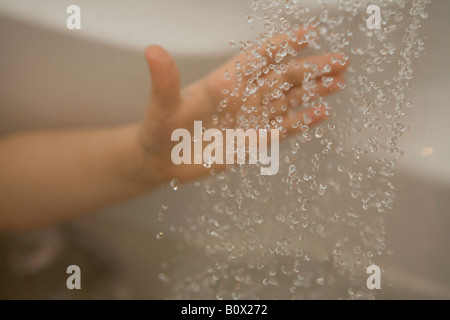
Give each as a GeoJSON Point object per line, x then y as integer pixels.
{"type": "Point", "coordinates": [164, 75]}
{"type": "Point", "coordinates": [317, 114]}
{"type": "Point", "coordinates": [341, 59]}
{"type": "Point", "coordinates": [338, 80]}
{"type": "Point", "coordinates": [157, 55]}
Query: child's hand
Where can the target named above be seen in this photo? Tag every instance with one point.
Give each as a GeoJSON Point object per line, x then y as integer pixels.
{"type": "Point", "coordinates": [171, 107]}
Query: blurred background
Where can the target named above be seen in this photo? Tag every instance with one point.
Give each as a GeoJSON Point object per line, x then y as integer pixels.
{"type": "Point", "coordinates": [54, 77]}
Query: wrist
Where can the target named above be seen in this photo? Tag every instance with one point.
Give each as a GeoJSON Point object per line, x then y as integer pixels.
{"type": "Point", "coordinates": [140, 169]}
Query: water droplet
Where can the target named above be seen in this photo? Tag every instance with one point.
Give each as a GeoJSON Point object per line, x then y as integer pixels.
{"type": "Point", "coordinates": [174, 184]}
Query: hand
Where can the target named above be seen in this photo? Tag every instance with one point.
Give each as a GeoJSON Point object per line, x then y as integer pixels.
{"type": "Point", "coordinates": [171, 107]}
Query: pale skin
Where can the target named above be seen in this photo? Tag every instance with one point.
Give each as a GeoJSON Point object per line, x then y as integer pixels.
{"type": "Point", "coordinates": [51, 176]}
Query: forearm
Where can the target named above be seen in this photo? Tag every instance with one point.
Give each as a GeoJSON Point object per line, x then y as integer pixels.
{"type": "Point", "coordinates": [53, 175]}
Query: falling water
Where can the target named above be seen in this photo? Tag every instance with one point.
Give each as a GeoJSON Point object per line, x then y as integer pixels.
{"type": "Point", "coordinates": [311, 230]}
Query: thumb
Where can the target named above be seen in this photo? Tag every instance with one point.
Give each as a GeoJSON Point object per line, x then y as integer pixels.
{"type": "Point", "coordinates": [165, 91]}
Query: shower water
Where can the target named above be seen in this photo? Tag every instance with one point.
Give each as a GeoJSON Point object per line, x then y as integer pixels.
{"type": "Point", "coordinates": [311, 230]}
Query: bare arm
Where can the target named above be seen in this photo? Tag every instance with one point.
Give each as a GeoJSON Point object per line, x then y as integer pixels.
{"type": "Point", "coordinates": [53, 175]}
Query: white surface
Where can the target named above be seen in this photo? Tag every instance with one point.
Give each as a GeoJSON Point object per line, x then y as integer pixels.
{"type": "Point", "coordinates": [183, 27]}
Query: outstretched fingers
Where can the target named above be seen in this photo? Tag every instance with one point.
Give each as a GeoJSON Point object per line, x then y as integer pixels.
{"type": "Point", "coordinates": [265, 54]}
{"type": "Point", "coordinates": [299, 95]}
